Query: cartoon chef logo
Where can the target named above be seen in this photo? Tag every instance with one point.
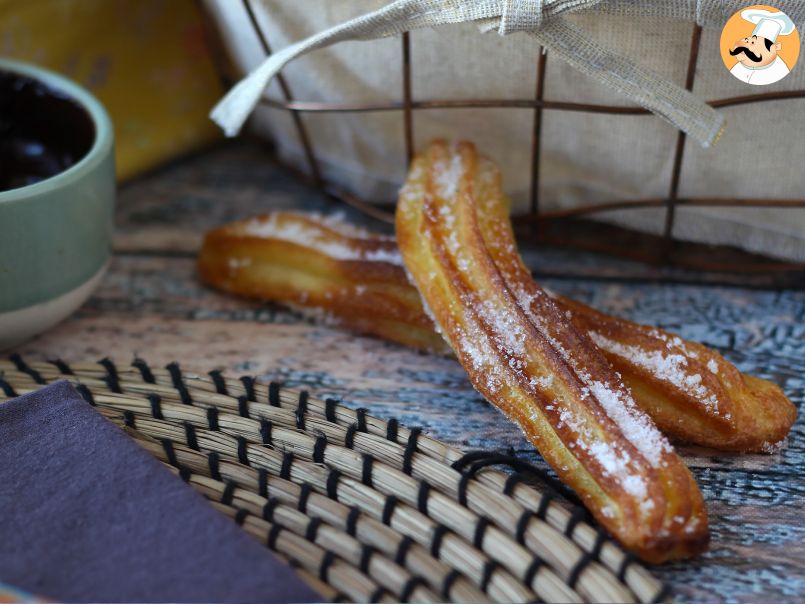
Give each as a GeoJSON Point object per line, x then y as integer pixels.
{"type": "Point", "coordinates": [760, 45]}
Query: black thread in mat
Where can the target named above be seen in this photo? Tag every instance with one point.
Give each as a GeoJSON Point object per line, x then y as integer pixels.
{"type": "Point", "coordinates": [377, 594]}
{"type": "Point", "coordinates": [178, 382]}
{"type": "Point", "coordinates": [366, 469]}
{"type": "Point", "coordinates": [436, 541]}
{"type": "Point", "coordinates": [128, 418]}
{"type": "Point", "coordinates": [271, 542]}
{"type": "Point", "coordinates": [388, 509]}
{"type": "Point", "coordinates": [532, 570]}
{"type": "Point", "coordinates": [410, 449]}
{"type": "Point", "coordinates": [544, 501]}
{"type": "Point", "coordinates": [477, 460]}
{"type": "Point", "coordinates": [274, 394]}
{"type": "Point", "coordinates": [243, 446]}
{"type": "Point", "coordinates": [576, 516]}
{"type": "Point", "coordinates": [462, 488]}
{"type": "Point", "coordinates": [663, 594]}
{"type": "Point", "coordinates": [145, 370]}
{"type": "Point", "coordinates": [229, 492]}
{"type": "Point", "coordinates": [156, 405]}
{"type": "Point", "coordinates": [391, 430]}
{"type": "Point", "coordinates": [326, 563]}
{"type": "Point", "coordinates": [112, 379]}
{"type": "Point", "coordinates": [367, 551]}
{"type": "Point", "coordinates": [318, 448]}
{"type": "Point", "coordinates": [349, 437]}
{"type": "Point", "coordinates": [329, 410]}
{"type": "Point", "coordinates": [22, 366]}
{"type": "Point", "coordinates": [184, 473]}
{"type": "Point", "coordinates": [410, 585]}
{"type": "Point", "coordinates": [361, 415]}
{"type": "Point", "coordinates": [218, 381]}
{"type": "Point", "coordinates": [628, 558]}
{"type": "Point", "coordinates": [190, 436]}
{"type": "Point", "coordinates": [304, 494]}
{"type": "Point", "coordinates": [285, 469]}
{"type": "Point", "coordinates": [262, 482]}
{"type": "Point", "coordinates": [332, 484]}
{"type": "Point", "coordinates": [214, 463]}
{"type": "Point", "coordinates": [402, 550]}
{"type": "Point", "coordinates": [600, 539]}
{"type": "Point", "coordinates": [340, 597]}
{"type": "Point", "coordinates": [243, 406]}
{"type": "Point", "coordinates": [489, 568]}
{"type": "Point", "coordinates": [449, 579]}
{"type": "Point", "coordinates": [512, 481]}
{"type": "Point", "coordinates": [268, 509]}
{"type": "Point", "coordinates": [10, 392]}
{"type": "Point", "coordinates": [63, 367]}
{"type": "Point", "coordinates": [170, 453]}
{"type": "Point", "coordinates": [575, 572]}
{"type": "Point", "coordinates": [352, 520]}
{"type": "Point", "coordinates": [248, 386]}
{"type": "Point", "coordinates": [522, 525]}
{"type": "Point", "coordinates": [240, 516]}
{"type": "Point", "coordinates": [265, 431]}
{"type": "Point", "coordinates": [301, 410]}
{"type": "Point", "coordinates": [480, 531]}
{"type": "Point", "coordinates": [422, 497]}
{"type": "Point", "coordinates": [212, 418]}
{"type": "Point", "coordinates": [85, 393]}
{"type": "Point", "coordinates": [312, 529]}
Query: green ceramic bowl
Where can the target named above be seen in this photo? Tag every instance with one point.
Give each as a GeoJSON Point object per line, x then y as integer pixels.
{"type": "Point", "coordinates": [55, 234]}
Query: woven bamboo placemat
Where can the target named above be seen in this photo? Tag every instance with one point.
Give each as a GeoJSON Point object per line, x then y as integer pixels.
{"type": "Point", "coordinates": [364, 509]}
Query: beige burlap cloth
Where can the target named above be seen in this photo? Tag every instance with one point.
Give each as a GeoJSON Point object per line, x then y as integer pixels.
{"type": "Point", "coordinates": [600, 51]}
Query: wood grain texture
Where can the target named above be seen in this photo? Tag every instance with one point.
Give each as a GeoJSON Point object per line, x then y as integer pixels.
{"type": "Point", "coordinates": [151, 304]}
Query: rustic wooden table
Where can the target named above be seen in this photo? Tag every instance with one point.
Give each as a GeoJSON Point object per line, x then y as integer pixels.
{"type": "Point", "coordinates": [151, 304]}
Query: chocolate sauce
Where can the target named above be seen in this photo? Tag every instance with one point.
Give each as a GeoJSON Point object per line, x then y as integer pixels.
{"type": "Point", "coordinates": [42, 131]}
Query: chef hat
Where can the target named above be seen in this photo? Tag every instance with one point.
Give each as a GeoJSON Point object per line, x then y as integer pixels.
{"type": "Point", "coordinates": [769, 24]}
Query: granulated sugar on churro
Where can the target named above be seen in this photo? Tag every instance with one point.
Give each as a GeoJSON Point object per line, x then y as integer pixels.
{"type": "Point", "coordinates": [666, 365]}
{"type": "Point", "coordinates": [311, 235]}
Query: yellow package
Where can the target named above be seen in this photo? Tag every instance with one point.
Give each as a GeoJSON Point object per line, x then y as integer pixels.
{"type": "Point", "coordinates": [146, 60]}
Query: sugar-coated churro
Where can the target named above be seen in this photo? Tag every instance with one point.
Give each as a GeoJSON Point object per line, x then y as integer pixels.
{"type": "Point", "coordinates": [527, 358]}
{"type": "Point", "coordinates": [323, 266]}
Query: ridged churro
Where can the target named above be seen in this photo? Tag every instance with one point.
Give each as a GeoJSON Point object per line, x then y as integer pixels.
{"type": "Point", "coordinates": [528, 359]}
{"type": "Point", "coordinates": [692, 393]}
{"type": "Point", "coordinates": [325, 266]}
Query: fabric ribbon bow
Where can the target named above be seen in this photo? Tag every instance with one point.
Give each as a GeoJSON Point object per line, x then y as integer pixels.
{"type": "Point", "coordinates": [542, 19]}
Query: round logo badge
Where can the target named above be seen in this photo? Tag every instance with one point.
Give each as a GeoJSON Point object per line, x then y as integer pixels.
{"type": "Point", "coordinates": [759, 45]}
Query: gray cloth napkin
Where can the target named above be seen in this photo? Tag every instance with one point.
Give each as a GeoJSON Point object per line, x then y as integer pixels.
{"type": "Point", "coordinates": [86, 515]}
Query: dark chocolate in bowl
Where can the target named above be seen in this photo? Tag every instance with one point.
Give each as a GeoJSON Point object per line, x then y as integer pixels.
{"type": "Point", "coordinates": [43, 131]}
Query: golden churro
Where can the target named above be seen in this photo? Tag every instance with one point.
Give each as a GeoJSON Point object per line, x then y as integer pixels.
{"type": "Point", "coordinates": [347, 275]}
{"type": "Point", "coordinates": [527, 358]}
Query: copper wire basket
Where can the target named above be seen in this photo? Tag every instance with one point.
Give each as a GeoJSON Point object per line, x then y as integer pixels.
{"type": "Point", "coordinates": [564, 227]}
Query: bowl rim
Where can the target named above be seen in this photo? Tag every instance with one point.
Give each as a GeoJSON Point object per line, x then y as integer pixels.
{"type": "Point", "coordinates": [101, 146]}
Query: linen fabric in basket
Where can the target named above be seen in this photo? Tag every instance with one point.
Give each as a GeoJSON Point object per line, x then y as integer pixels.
{"type": "Point", "coordinates": [586, 158]}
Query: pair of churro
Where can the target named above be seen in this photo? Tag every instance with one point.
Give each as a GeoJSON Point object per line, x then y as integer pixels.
{"type": "Point", "coordinates": [323, 266]}
{"type": "Point", "coordinates": [529, 354]}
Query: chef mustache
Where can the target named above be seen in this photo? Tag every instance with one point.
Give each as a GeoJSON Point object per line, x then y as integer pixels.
{"type": "Point", "coordinates": [743, 49]}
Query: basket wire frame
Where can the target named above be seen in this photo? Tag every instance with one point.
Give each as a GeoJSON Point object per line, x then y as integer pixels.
{"type": "Point", "coordinates": [658, 250]}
